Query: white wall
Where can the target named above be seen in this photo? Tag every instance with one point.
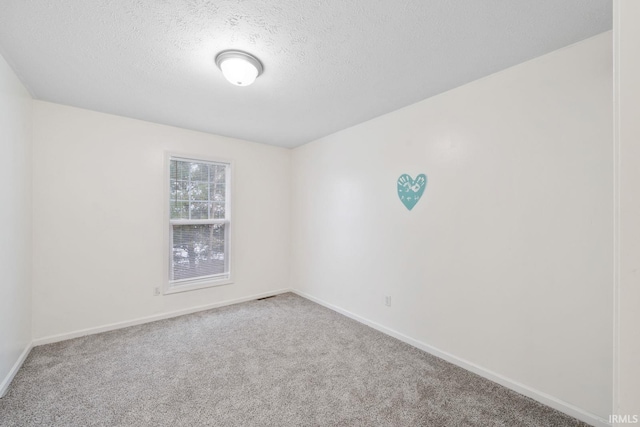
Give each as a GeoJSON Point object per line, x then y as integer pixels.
{"type": "Point", "coordinates": [15, 217]}
{"type": "Point", "coordinates": [627, 42]}
{"type": "Point", "coordinates": [506, 262]}
{"type": "Point", "coordinates": [98, 218]}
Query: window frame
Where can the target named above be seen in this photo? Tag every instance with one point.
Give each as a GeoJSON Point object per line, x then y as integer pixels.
{"type": "Point", "coordinates": [202, 282]}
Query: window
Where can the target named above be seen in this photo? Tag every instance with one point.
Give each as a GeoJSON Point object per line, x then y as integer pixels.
{"type": "Point", "coordinates": [199, 223]}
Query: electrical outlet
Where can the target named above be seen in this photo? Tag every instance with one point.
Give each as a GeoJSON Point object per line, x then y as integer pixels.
{"type": "Point", "coordinates": [156, 291]}
{"type": "Point", "coordinates": [387, 301]}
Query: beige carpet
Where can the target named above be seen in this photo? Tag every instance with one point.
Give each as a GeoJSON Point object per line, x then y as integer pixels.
{"type": "Point", "coordinates": [282, 361]}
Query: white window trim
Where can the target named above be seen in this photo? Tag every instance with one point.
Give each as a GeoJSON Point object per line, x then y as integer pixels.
{"type": "Point", "coordinates": [200, 282]}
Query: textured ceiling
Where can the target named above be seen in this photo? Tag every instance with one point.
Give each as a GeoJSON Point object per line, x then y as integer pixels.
{"type": "Point", "coordinates": [328, 64]}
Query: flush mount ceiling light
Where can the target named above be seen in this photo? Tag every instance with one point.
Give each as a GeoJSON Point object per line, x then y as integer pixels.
{"type": "Point", "coordinates": [240, 68]}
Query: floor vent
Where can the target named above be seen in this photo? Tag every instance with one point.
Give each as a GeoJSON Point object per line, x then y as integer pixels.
{"type": "Point", "coordinates": [260, 299]}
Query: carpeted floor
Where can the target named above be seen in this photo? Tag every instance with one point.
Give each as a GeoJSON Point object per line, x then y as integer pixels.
{"type": "Point", "coordinates": [282, 361]}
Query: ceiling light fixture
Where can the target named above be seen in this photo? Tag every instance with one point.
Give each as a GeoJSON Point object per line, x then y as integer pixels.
{"type": "Point", "coordinates": [240, 68]}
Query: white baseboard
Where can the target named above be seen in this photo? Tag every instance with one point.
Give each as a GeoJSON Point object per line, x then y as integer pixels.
{"type": "Point", "coordinates": [541, 397]}
{"type": "Point", "coordinates": [4, 385]}
{"type": "Point", "coordinates": [148, 319]}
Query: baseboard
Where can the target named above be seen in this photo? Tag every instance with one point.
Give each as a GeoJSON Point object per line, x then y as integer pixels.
{"type": "Point", "coordinates": [539, 396]}
{"type": "Point", "coordinates": [4, 386]}
{"type": "Point", "coordinates": [148, 319]}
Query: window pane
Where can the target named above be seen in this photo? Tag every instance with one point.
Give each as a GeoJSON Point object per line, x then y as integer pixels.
{"type": "Point", "coordinates": [218, 210]}
{"type": "Point", "coordinates": [179, 199]}
{"type": "Point", "coordinates": [179, 170]}
{"type": "Point", "coordinates": [198, 250]}
{"type": "Point", "coordinates": [179, 210]}
{"type": "Point", "coordinates": [199, 210]}
{"type": "Point", "coordinates": [218, 173]}
{"type": "Point", "coordinates": [199, 190]}
{"type": "Point", "coordinates": [179, 190]}
{"type": "Point", "coordinates": [217, 192]}
{"type": "Point", "coordinates": [199, 171]}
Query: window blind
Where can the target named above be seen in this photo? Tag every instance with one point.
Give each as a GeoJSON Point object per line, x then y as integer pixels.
{"type": "Point", "coordinates": [199, 220]}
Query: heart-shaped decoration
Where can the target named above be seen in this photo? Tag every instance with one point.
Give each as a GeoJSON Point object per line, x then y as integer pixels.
{"type": "Point", "coordinates": [410, 190]}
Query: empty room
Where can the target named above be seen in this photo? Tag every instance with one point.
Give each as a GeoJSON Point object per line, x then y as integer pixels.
{"type": "Point", "coordinates": [320, 213]}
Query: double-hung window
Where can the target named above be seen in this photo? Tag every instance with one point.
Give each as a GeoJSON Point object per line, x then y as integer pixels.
{"type": "Point", "coordinates": [199, 223]}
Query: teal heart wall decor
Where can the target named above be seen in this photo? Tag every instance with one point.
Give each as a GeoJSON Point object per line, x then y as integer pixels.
{"type": "Point", "coordinates": [410, 190]}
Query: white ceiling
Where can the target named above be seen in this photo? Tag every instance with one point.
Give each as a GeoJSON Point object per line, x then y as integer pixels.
{"type": "Point", "coordinates": [328, 64]}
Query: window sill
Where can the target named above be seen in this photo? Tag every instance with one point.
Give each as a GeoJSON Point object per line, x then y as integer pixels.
{"type": "Point", "coordinates": [192, 285]}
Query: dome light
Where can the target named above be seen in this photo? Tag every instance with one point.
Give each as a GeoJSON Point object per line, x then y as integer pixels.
{"type": "Point", "coordinates": [240, 68]}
